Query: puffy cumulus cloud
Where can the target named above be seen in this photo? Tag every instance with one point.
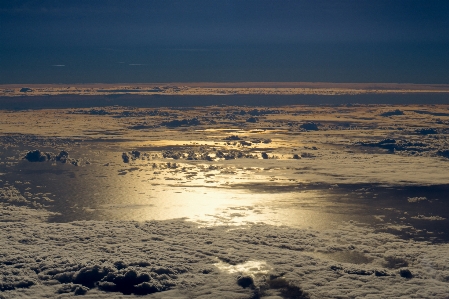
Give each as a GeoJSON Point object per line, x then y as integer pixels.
{"type": "Point", "coordinates": [39, 156]}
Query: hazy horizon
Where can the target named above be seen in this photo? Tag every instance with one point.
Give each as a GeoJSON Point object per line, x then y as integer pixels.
{"type": "Point", "coordinates": [230, 41]}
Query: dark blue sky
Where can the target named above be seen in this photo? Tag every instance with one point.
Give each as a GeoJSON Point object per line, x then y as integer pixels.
{"type": "Point", "coordinates": [236, 40]}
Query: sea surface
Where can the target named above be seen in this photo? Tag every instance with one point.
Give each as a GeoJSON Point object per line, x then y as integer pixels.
{"type": "Point", "coordinates": [108, 189]}
{"type": "Point", "coordinates": [153, 101]}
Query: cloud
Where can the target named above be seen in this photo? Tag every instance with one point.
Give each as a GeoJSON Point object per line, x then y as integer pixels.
{"type": "Point", "coordinates": [108, 259]}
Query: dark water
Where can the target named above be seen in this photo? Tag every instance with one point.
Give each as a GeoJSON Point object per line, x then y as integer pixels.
{"type": "Point", "coordinates": [36, 61]}
{"type": "Point", "coordinates": [74, 101]}
{"type": "Point", "coordinates": [99, 192]}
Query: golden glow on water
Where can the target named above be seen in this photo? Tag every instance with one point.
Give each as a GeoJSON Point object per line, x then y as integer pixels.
{"type": "Point", "coordinates": [225, 206]}
{"type": "Point", "coordinates": [275, 143]}
{"type": "Point", "coordinates": [239, 130]}
{"type": "Point", "coordinates": [249, 267]}
{"type": "Point", "coordinates": [161, 143]}
{"type": "Point", "coordinates": [208, 193]}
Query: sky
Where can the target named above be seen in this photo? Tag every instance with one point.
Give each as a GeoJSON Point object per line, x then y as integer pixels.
{"type": "Point", "coordinates": [51, 41]}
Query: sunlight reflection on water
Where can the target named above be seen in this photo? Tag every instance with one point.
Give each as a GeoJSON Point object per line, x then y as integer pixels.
{"type": "Point", "coordinates": [208, 193]}
{"type": "Point", "coordinates": [98, 192]}
{"type": "Point", "coordinates": [225, 206]}
{"type": "Point", "coordinates": [249, 267]}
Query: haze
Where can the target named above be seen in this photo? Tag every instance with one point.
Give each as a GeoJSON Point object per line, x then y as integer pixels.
{"type": "Point", "coordinates": [224, 41]}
